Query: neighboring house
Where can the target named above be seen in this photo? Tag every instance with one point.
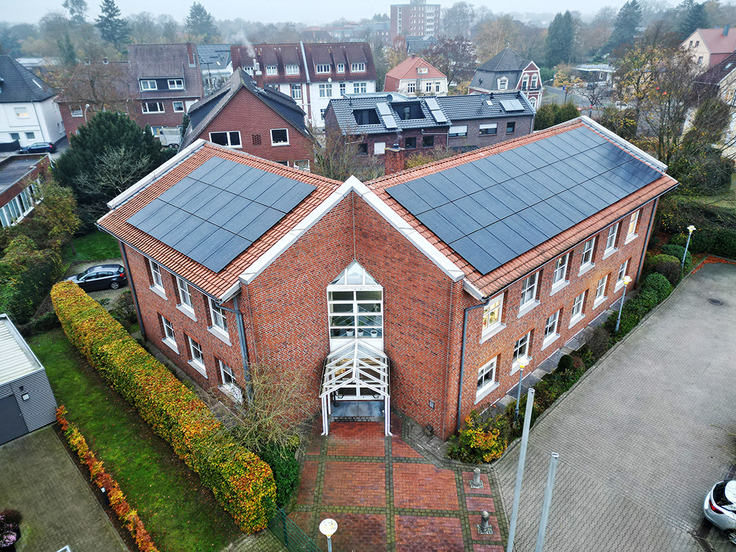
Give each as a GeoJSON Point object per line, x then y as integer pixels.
{"type": "Point", "coordinates": [216, 64]}
{"type": "Point", "coordinates": [28, 113]}
{"type": "Point", "coordinates": [507, 70]}
{"type": "Point", "coordinates": [416, 77]}
{"type": "Point", "coordinates": [419, 124]}
{"type": "Point", "coordinates": [450, 275]}
{"type": "Point", "coordinates": [418, 44]}
{"type": "Point", "coordinates": [710, 46]}
{"type": "Point", "coordinates": [27, 402]}
{"type": "Point", "coordinates": [720, 80]}
{"type": "Point", "coordinates": [596, 72]}
{"type": "Point", "coordinates": [311, 74]}
{"type": "Point", "coordinates": [259, 121]}
{"type": "Point", "coordinates": [417, 18]}
{"type": "Point", "coordinates": [19, 186]}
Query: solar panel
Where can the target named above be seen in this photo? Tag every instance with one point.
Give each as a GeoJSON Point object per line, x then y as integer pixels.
{"type": "Point", "coordinates": [512, 105]}
{"type": "Point", "coordinates": [383, 109]}
{"type": "Point", "coordinates": [387, 115]}
{"type": "Point", "coordinates": [219, 209]}
{"type": "Point", "coordinates": [432, 104]}
{"type": "Point", "coordinates": [435, 110]}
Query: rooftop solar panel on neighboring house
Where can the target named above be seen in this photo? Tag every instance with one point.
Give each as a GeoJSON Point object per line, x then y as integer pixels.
{"type": "Point", "coordinates": [434, 109]}
{"type": "Point", "coordinates": [387, 115]}
{"type": "Point", "coordinates": [512, 105]}
{"type": "Point", "coordinates": [217, 211]}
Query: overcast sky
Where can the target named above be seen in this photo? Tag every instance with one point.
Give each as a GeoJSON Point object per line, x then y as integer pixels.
{"type": "Point", "coordinates": [307, 12]}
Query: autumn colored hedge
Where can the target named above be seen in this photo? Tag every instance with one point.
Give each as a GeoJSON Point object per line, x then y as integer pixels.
{"type": "Point", "coordinates": [99, 476]}
{"type": "Point", "coordinates": [240, 481]}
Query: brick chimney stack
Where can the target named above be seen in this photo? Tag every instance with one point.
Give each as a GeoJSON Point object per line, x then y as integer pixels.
{"type": "Point", "coordinates": [393, 159]}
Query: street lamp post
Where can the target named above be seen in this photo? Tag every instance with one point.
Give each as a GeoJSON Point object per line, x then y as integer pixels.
{"type": "Point", "coordinates": [86, 107]}
{"type": "Point", "coordinates": [523, 362]}
{"type": "Point", "coordinates": [690, 230]}
{"type": "Point", "coordinates": [328, 527]}
{"type": "Point", "coordinates": [627, 281]}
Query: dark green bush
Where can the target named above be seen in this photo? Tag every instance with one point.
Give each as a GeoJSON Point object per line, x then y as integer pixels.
{"type": "Point", "coordinates": [668, 266]}
{"type": "Point", "coordinates": [285, 470]}
{"type": "Point", "coordinates": [599, 342]}
{"type": "Point", "coordinates": [659, 284]}
{"type": "Point", "coordinates": [724, 243]}
{"type": "Point", "coordinates": [40, 324]}
{"type": "Point", "coordinates": [564, 364]}
{"type": "Point", "coordinates": [678, 251]}
{"type": "Point", "coordinates": [22, 293]}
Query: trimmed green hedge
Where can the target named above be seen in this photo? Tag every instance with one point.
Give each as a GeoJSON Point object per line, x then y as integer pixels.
{"type": "Point", "coordinates": [240, 481]}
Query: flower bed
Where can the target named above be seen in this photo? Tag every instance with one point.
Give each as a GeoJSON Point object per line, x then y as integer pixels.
{"type": "Point", "coordinates": [240, 481]}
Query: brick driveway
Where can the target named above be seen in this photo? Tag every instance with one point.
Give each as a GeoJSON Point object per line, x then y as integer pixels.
{"type": "Point", "coordinates": [644, 436]}
{"type": "Point", "coordinates": [385, 496]}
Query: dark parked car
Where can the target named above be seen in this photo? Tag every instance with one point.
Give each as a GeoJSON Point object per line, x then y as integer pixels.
{"type": "Point", "coordinates": [110, 276]}
{"type": "Point", "coordinates": [39, 147]}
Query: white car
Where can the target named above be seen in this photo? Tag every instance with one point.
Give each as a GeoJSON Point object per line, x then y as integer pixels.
{"type": "Point", "coordinates": [720, 508]}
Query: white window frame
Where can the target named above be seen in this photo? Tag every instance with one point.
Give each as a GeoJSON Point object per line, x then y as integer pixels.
{"type": "Point", "coordinates": [169, 336]}
{"type": "Point", "coordinates": [291, 69]}
{"type": "Point", "coordinates": [551, 329]}
{"type": "Point", "coordinates": [428, 86]}
{"type": "Point", "coordinates": [490, 128]}
{"type": "Point", "coordinates": [487, 384]}
{"type": "Point", "coordinates": [458, 131]}
{"type": "Point", "coordinates": [229, 143]}
{"type": "Point", "coordinates": [218, 320]}
{"type": "Point", "coordinates": [76, 111]}
{"type": "Point", "coordinates": [503, 83]}
{"type": "Point", "coordinates": [521, 349]}
{"type": "Point", "coordinates": [340, 67]}
{"type": "Point", "coordinates": [146, 85]}
{"type": "Point", "coordinates": [296, 91]}
{"type": "Point", "coordinates": [528, 299]}
{"type": "Point", "coordinates": [577, 314]}
{"type": "Point", "coordinates": [178, 84]}
{"type": "Point", "coordinates": [322, 68]}
{"type": "Point", "coordinates": [535, 81]}
{"type": "Point", "coordinates": [336, 308]}
{"type": "Point", "coordinates": [180, 108]}
{"type": "Point", "coordinates": [230, 388]}
{"type": "Point", "coordinates": [492, 321]}
{"type": "Point", "coordinates": [620, 275]}
{"type": "Point", "coordinates": [411, 87]}
{"type": "Point", "coordinates": [144, 107]}
{"type": "Point", "coordinates": [197, 357]}
{"type": "Point", "coordinates": [158, 280]}
{"type": "Point", "coordinates": [360, 88]}
{"type": "Point", "coordinates": [357, 67]}
{"type": "Point", "coordinates": [272, 70]}
{"type": "Point", "coordinates": [438, 86]}
{"type": "Point", "coordinates": [22, 113]}
{"type": "Point", "coordinates": [185, 298]}
{"type": "Point", "coordinates": [302, 165]}
{"type": "Point", "coordinates": [276, 144]}
{"type": "Point", "coordinates": [559, 276]}
{"type": "Point", "coordinates": [325, 90]}
{"type": "Point", "coordinates": [633, 222]}
{"type": "Point", "coordinates": [379, 148]}
{"type": "Point", "coordinates": [589, 253]}
{"type": "Point", "coordinates": [600, 292]}
{"type": "Point", "coordinates": [343, 88]}
{"type": "Point", "coordinates": [611, 240]}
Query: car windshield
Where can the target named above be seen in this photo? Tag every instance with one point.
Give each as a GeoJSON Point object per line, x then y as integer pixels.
{"type": "Point", "coordinates": [721, 498]}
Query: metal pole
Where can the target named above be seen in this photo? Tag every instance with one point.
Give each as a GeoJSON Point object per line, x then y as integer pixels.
{"type": "Point", "coordinates": [520, 469]}
{"type": "Point", "coordinates": [518, 397]}
{"type": "Point", "coordinates": [547, 501]}
{"type": "Point", "coordinates": [682, 264]}
{"type": "Point", "coordinates": [329, 544]}
{"type": "Point", "coordinates": [620, 310]}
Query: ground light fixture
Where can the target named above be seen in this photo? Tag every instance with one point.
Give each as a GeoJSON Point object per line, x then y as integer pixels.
{"type": "Point", "coordinates": [328, 527]}
{"type": "Point", "coordinates": [627, 281]}
{"type": "Point", "coordinates": [690, 230]}
{"type": "Point", "coordinates": [523, 362]}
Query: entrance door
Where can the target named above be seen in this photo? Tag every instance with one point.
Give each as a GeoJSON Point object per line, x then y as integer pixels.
{"type": "Point", "coordinates": [11, 420]}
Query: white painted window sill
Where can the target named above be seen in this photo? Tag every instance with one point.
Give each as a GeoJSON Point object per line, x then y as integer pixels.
{"type": "Point", "coordinates": [158, 290]}
{"type": "Point", "coordinates": [558, 286]}
{"type": "Point", "coordinates": [231, 392]}
{"type": "Point", "coordinates": [220, 334]}
{"type": "Point", "coordinates": [527, 308]}
{"type": "Point", "coordinates": [618, 286]}
{"type": "Point", "coordinates": [199, 367]}
{"type": "Point", "coordinates": [171, 344]}
{"type": "Point", "coordinates": [608, 252]}
{"type": "Point", "coordinates": [550, 340]}
{"type": "Point", "coordinates": [631, 237]}
{"type": "Point", "coordinates": [585, 268]}
{"type": "Point", "coordinates": [598, 302]}
{"type": "Point", "coordinates": [575, 319]}
{"type": "Point", "coordinates": [187, 310]}
{"type": "Point", "coordinates": [490, 332]}
{"type": "Point", "coordinates": [483, 393]}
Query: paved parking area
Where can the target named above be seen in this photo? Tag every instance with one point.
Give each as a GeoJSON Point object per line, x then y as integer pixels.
{"type": "Point", "coordinates": [38, 478]}
{"type": "Point", "coordinates": [643, 436]}
{"type": "Point", "coordinates": [110, 294]}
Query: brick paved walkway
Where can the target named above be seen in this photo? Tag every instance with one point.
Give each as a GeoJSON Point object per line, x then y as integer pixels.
{"type": "Point", "coordinates": [385, 496]}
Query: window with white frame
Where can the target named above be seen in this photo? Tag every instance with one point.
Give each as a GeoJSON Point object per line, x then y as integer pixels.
{"type": "Point", "coordinates": [342, 88]}
{"type": "Point", "coordinates": [279, 136]}
{"type": "Point", "coordinates": [76, 111]}
{"type": "Point", "coordinates": [359, 88]}
{"type": "Point", "coordinates": [600, 291]}
{"type": "Point", "coordinates": [428, 87]}
{"type": "Point", "coordinates": [340, 67]}
{"type": "Point", "coordinates": [148, 85]}
{"type": "Point", "coordinates": [296, 91]}
{"type": "Point", "coordinates": [631, 232]}
{"type": "Point", "coordinates": [621, 273]}
{"type": "Point", "coordinates": [550, 328]}
{"type": "Point", "coordinates": [503, 83]}
{"type": "Point", "coordinates": [535, 80]}
{"type": "Point", "coordinates": [158, 281]}
{"type": "Point", "coordinates": [229, 139]}
{"type": "Point", "coordinates": [586, 259]}
{"type": "Point", "coordinates": [291, 69]}
{"type": "Point", "coordinates": [529, 290]}
{"type": "Point", "coordinates": [357, 67]}
{"type": "Point", "coordinates": [458, 130]}
{"type": "Point", "coordinates": [178, 107]}
{"type": "Point", "coordinates": [152, 107]}
{"type": "Point", "coordinates": [325, 90]}
{"type": "Point", "coordinates": [169, 337]}
{"type": "Point", "coordinates": [31, 135]}
{"type": "Point", "coordinates": [492, 314]}
{"type": "Point", "coordinates": [521, 349]}
{"type": "Point", "coordinates": [437, 86]}
{"type": "Point", "coordinates": [217, 315]}
{"type": "Point", "coordinates": [379, 148]}
{"type": "Point", "coordinates": [271, 70]}
{"type": "Point", "coordinates": [249, 70]}
{"type": "Point", "coordinates": [176, 84]}
{"type": "Point", "coordinates": [577, 308]}
{"type": "Point", "coordinates": [559, 277]}
{"type": "Point", "coordinates": [302, 164]}
{"type": "Point", "coordinates": [488, 129]}
{"type": "Point", "coordinates": [611, 239]}
{"type": "Point", "coordinates": [229, 384]}
{"type": "Point", "coordinates": [22, 112]}
{"type": "Point", "coordinates": [487, 377]}
{"type": "Point", "coordinates": [525, 82]}
{"type": "Point", "coordinates": [411, 87]}
{"type": "Point", "coordinates": [324, 68]}
{"type": "Point", "coordinates": [185, 295]}
{"type": "Point", "coordinates": [197, 357]}
{"type": "Point", "coordinates": [355, 303]}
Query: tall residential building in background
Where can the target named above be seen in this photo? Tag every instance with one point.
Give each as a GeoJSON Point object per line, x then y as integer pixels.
{"type": "Point", "coordinates": [417, 18]}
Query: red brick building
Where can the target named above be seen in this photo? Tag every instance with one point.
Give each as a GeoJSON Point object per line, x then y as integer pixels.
{"type": "Point", "coordinates": [262, 122]}
{"type": "Point", "coordinates": [19, 191]}
{"type": "Point", "coordinates": [446, 277]}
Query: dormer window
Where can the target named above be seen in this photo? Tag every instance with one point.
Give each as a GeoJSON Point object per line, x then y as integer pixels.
{"type": "Point", "coordinates": [422, 70]}
{"type": "Point", "coordinates": [248, 70]}
{"type": "Point", "coordinates": [271, 70]}
{"type": "Point", "coordinates": [357, 67]}
{"type": "Point", "coordinates": [340, 67]}
{"type": "Point", "coordinates": [148, 85]}
{"type": "Point", "coordinates": [324, 68]}
{"type": "Point", "coordinates": [292, 69]}
{"type": "Point", "coordinates": [176, 84]}
{"type": "Point", "coordinates": [503, 83]}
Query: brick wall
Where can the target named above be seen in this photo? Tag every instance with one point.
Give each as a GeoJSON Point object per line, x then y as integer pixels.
{"type": "Point", "coordinates": [474, 138]}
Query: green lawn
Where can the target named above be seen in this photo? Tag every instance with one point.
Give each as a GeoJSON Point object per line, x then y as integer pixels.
{"type": "Point", "coordinates": [96, 246]}
{"type": "Point", "coordinates": [178, 511]}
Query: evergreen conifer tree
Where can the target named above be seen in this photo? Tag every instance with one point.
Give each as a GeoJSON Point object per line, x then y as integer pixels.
{"type": "Point", "coordinates": [113, 28]}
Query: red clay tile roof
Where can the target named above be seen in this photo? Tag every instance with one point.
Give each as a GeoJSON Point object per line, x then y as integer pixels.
{"type": "Point", "coordinates": [716, 42]}
{"type": "Point", "coordinates": [537, 256]}
{"type": "Point", "coordinates": [407, 69]}
{"type": "Point", "coordinates": [215, 284]}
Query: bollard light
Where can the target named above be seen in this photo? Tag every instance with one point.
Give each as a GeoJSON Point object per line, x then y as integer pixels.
{"type": "Point", "coordinates": [476, 483]}
{"type": "Point", "coordinates": [328, 527]}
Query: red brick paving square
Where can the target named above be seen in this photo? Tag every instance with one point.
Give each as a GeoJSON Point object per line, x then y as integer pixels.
{"type": "Point", "coordinates": [475, 520]}
{"type": "Point", "coordinates": [488, 548]}
{"type": "Point", "coordinates": [424, 486]}
{"type": "Point", "coordinates": [307, 483]}
{"type": "Point", "coordinates": [428, 534]}
{"type": "Point", "coordinates": [302, 519]}
{"type": "Point", "coordinates": [356, 439]}
{"type": "Point", "coordinates": [468, 477]}
{"type": "Point", "coordinates": [358, 532]}
{"type": "Point", "coordinates": [401, 450]}
{"type": "Point", "coordinates": [354, 484]}
{"type": "Point", "coordinates": [480, 503]}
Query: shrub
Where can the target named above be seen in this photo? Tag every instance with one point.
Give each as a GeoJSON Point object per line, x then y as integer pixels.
{"type": "Point", "coordinates": [657, 283]}
{"type": "Point", "coordinates": [668, 266]}
{"type": "Point", "coordinates": [40, 324]}
{"type": "Point", "coordinates": [599, 342]}
{"type": "Point", "coordinates": [678, 251]}
{"type": "Point", "coordinates": [240, 481]}
{"type": "Point", "coordinates": [477, 442]}
{"type": "Point", "coordinates": [21, 293]}
{"type": "Point", "coordinates": [285, 470]}
{"type": "Point", "coordinates": [564, 364]}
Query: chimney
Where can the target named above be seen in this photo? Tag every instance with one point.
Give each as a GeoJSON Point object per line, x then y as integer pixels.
{"type": "Point", "coordinates": [393, 159]}
{"type": "Point", "coordinates": [726, 29]}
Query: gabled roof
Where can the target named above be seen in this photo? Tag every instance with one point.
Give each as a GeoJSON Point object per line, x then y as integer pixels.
{"type": "Point", "coordinates": [18, 359]}
{"type": "Point", "coordinates": [716, 42]}
{"type": "Point", "coordinates": [214, 56]}
{"type": "Point", "coordinates": [18, 84]}
{"type": "Point", "coordinates": [151, 61]}
{"type": "Point", "coordinates": [202, 113]}
{"type": "Point", "coordinates": [718, 72]}
{"type": "Point", "coordinates": [505, 60]}
{"type": "Point", "coordinates": [484, 106]}
{"type": "Point", "coordinates": [409, 69]}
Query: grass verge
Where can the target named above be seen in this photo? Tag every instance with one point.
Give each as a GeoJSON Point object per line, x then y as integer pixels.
{"type": "Point", "coordinates": [180, 513]}
{"type": "Point", "coordinates": [96, 246]}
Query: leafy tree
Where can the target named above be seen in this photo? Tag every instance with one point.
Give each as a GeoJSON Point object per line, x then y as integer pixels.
{"type": "Point", "coordinates": [58, 213]}
{"type": "Point", "coordinates": [77, 10]}
{"type": "Point", "coordinates": [143, 29]}
{"type": "Point", "coordinates": [169, 28]}
{"type": "Point", "coordinates": [594, 35]}
{"type": "Point", "coordinates": [624, 29]}
{"type": "Point", "coordinates": [339, 158]}
{"type": "Point", "coordinates": [545, 117]}
{"type": "Point", "coordinates": [68, 52]}
{"type": "Point", "coordinates": [560, 39]}
{"type": "Point", "coordinates": [457, 20]}
{"type": "Point", "coordinates": [200, 23]}
{"type": "Point", "coordinates": [113, 28]}
{"type": "Point", "coordinates": [620, 121]}
{"type": "Point", "coordinates": [492, 36]}
{"type": "Point", "coordinates": [455, 57]}
{"type": "Point", "coordinates": [692, 16]}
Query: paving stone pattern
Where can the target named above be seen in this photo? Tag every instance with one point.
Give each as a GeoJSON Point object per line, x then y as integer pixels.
{"type": "Point", "coordinates": [643, 436]}
{"type": "Point", "coordinates": [385, 495]}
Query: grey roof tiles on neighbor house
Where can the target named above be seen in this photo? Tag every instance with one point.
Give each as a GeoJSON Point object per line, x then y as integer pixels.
{"type": "Point", "coordinates": [18, 84]}
{"type": "Point", "coordinates": [499, 207]}
{"type": "Point", "coordinates": [216, 212]}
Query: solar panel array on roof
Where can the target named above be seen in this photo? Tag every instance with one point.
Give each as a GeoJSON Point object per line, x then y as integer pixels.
{"type": "Point", "coordinates": [218, 210]}
{"type": "Point", "coordinates": [434, 109]}
{"type": "Point", "coordinates": [494, 209]}
{"type": "Point", "coordinates": [388, 117]}
{"type": "Point", "coordinates": [512, 105]}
